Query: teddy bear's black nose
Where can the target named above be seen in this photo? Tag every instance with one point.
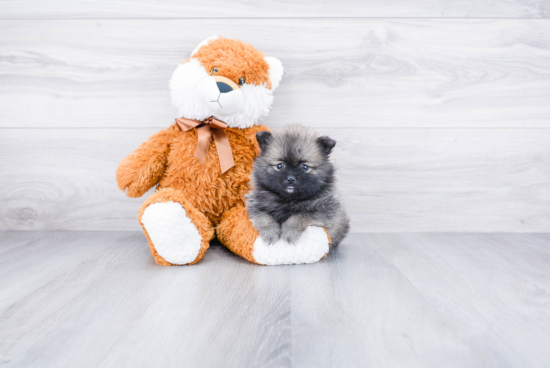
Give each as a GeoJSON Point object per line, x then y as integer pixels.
{"type": "Point", "coordinates": [224, 87]}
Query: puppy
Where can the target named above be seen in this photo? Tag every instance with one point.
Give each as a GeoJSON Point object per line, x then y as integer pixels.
{"type": "Point", "coordinates": [294, 186]}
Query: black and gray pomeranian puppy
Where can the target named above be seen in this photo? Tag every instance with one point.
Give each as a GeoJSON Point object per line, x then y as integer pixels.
{"type": "Point", "coordinates": [294, 186]}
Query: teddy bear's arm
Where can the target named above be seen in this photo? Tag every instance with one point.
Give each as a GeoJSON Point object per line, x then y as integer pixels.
{"type": "Point", "coordinates": [143, 168]}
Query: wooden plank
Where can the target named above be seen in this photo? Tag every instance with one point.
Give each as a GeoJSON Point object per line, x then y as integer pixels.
{"type": "Point", "coordinates": [72, 250]}
{"type": "Point", "coordinates": [490, 290]}
{"type": "Point", "coordinates": [392, 180]}
{"type": "Point", "coordinates": [480, 180]}
{"type": "Point", "coordinates": [422, 300]}
{"type": "Point", "coordinates": [229, 313]}
{"type": "Point", "coordinates": [66, 176]}
{"type": "Point", "coordinates": [384, 300]}
{"type": "Point", "coordinates": [120, 309]}
{"type": "Point", "coordinates": [12, 9]}
{"type": "Point", "coordinates": [339, 72]}
{"type": "Point", "coordinates": [358, 310]}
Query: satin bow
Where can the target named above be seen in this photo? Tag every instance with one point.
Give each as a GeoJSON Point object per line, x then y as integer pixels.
{"type": "Point", "coordinates": [210, 127]}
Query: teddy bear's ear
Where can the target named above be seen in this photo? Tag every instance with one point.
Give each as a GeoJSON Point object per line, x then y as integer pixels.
{"type": "Point", "coordinates": [275, 71]}
{"type": "Point", "coordinates": [205, 42]}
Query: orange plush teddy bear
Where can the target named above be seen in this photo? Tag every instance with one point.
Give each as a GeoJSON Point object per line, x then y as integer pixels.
{"type": "Point", "coordinates": [201, 164]}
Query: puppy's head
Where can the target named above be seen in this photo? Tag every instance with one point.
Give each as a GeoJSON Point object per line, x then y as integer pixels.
{"type": "Point", "coordinates": [294, 163]}
{"type": "Point", "coordinates": [228, 79]}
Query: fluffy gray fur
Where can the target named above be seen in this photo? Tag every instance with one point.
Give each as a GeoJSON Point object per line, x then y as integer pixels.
{"type": "Point", "coordinates": [294, 186]}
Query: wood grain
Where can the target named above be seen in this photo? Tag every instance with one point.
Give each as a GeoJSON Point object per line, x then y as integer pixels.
{"type": "Point", "coordinates": [92, 299]}
{"type": "Point", "coordinates": [392, 180]}
{"type": "Point", "coordinates": [12, 9]}
{"type": "Point", "coordinates": [100, 309]}
{"type": "Point", "coordinates": [481, 180]}
{"type": "Point", "coordinates": [424, 300]}
{"type": "Point", "coordinates": [70, 251]}
{"type": "Point", "coordinates": [338, 72]}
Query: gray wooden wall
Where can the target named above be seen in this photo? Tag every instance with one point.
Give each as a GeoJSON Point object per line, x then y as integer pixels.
{"type": "Point", "coordinates": [441, 108]}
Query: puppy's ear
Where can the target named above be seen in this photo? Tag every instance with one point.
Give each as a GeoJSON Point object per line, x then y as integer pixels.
{"type": "Point", "coordinates": [326, 144]}
{"type": "Point", "coordinates": [264, 139]}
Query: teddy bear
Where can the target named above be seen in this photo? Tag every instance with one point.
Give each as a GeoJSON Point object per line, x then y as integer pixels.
{"type": "Point", "coordinates": [201, 163]}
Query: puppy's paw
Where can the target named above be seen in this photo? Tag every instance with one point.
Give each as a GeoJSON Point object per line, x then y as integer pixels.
{"type": "Point", "coordinates": [270, 234]}
{"type": "Point", "coordinates": [292, 237]}
{"type": "Point", "coordinates": [291, 233]}
{"type": "Point", "coordinates": [293, 228]}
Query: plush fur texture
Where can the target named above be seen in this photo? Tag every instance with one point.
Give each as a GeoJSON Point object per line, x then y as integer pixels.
{"type": "Point", "coordinates": [168, 160]}
{"type": "Point", "coordinates": [313, 245]}
{"type": "Point", "coordinates": [182, 243]}
{"type": "Point", "coordinates": [238, 234]}
{"type": "Point", "coordinates": [294, 187]}
{"type": "Point", "coordinates": [195, 201]}
{"type": "Point", "coordinates": [233, 59]}
{"type": "Point", "coordinates": [198, 219]}
{"type": "Point", "coordinates": [192, 198]}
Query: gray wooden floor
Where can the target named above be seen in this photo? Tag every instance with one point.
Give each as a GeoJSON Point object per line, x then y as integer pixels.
{"type": "Point", "coordinates": [88, 299]}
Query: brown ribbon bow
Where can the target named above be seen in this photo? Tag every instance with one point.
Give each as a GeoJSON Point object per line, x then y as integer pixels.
{"type": "Point", "coordinates": [210, 127]}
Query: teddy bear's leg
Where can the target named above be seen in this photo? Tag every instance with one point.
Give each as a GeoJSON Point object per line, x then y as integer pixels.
{"type": "Point", "coordinates": [237, 233]}
{"type": "Point", "coordinates": [177, 232]}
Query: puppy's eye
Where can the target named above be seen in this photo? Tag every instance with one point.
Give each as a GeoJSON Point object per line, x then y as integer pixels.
{"type": "Point", "coordinates": [305, 167]}
{"type": "Point", "coordinates": [242, 81]}
{"type": "Point", "coordinates": [214, 71]}
{"type": "Point", "coordinates": [279, 166]}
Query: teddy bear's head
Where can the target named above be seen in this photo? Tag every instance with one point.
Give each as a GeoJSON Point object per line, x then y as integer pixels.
{"type": "Point", "coordinates": [228, 79]}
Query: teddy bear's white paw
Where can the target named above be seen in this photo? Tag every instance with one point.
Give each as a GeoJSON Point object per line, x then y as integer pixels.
{"type": "Point", "coordinates": [310, 248]}
{"type": "Point", "coordinates": [173, 234]}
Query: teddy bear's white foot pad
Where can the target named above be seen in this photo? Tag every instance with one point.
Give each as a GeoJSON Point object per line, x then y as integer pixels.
{"type": "Point", "coordinates": [173, 234]}
{"type": "Point", "coordinates": [310, 248]}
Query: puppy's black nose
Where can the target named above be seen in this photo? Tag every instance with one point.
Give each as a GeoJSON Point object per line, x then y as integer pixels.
{"type": "Point", "coordinates": [291, 179]}
{"type": "Point", "coordinates": [224, 87]}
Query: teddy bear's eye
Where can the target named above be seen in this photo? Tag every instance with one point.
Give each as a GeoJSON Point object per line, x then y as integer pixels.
{"type": "Point", "coordinates": [242, 81]}
{"type": "Point", "coordinates": [214, 71]}
{"type": "Point", "coordinates": [279, 166]}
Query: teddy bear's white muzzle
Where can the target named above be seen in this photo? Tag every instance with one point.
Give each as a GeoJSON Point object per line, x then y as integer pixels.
{"type": "Point", "coordinates": [219, 97]}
